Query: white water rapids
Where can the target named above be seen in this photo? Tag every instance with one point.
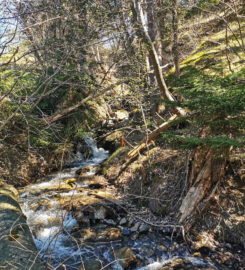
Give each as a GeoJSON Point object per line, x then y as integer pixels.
{"type": "Point", "coordinates": [52, 225]}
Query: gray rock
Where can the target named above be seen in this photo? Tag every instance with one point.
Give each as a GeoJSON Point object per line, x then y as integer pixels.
{"type": "Point", "coordinates": [110, 222]}
{"type": "Point", "coordinates": [91, 264]}
{"type": "Point", "coordinates": [135, 228]}
{"type": "Point", "coordinates": [100, 213]}
{"type": "Point", "coordinates": [134, 236]}
{"type": "Point", "coordinates": [131, 222]}
{"type": "Point", "coordinates": [143, 228]}
{"type": "Point", "coordinates": [162, 248]}
{"type": "Point", "coordinates": [123, 221]}
{"type": "Point", "coordinates": [148, 252]}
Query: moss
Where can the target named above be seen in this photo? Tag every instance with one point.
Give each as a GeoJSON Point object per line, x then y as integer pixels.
{"type": "Point", "coordinates": [212, 55]}
{"type": "Point", "coordinates": [136, 167]}
{"type": "Point", "coordinates": [116, 155]}
{"type": "Point", "coordinates": [114, 136]}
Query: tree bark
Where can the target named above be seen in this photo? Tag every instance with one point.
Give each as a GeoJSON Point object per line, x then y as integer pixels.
{"type": "Point", "coordinates": [207, 171]}
{"type": "Point", "coordinates": [151, 30]}
{"type": "Point", "coordinates": [165, 93]}
{"type": "Point", "coordinates": [152, 136]}
{"type": "Point", "coordinates": [175, 25]}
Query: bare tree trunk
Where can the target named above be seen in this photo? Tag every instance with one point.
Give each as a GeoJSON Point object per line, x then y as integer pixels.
{"type": "Point", "coordinates": [165, 93]}
{"type": "Point", "coordinates": [162, 32]}
{"type": "Point", "coordinates": [151, 30]}
{"type": "Point", "coordinates": [175, 38]}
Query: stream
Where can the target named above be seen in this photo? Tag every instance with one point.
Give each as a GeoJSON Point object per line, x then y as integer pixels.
{"type": "Point", "coordinates": [79, 221]}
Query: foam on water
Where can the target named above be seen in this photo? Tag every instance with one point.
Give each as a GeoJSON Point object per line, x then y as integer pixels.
{"type": "Point", "coordinates": [153, 266]}
{"type": "Point", "coordinates": [69, 222]}
{"type": "Point", "coordinates": [159, 264]}
{"type": "Point", "coordinates": [69, 193]}
{"type": "Point", "coordinates": [51, 225]}
{"type": "Point", "coordinates": [99, 154]}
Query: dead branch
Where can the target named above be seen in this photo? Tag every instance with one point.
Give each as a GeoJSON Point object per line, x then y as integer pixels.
{"type": "Point", "coordinates": [64, 112]}
{"type": "Point", "coordinates": [152, 136]}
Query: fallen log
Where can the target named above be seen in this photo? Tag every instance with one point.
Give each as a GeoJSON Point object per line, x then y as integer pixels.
{"type": "Point", "coordinates": [17, 248]}
{"type": "Point", "coordinates": [49, 120]}
{"type": "Point", "coordinates": [152, 136]}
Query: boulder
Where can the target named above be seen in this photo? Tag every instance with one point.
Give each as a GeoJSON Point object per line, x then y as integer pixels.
{"type": "Point", "coordinates": [123, 221]}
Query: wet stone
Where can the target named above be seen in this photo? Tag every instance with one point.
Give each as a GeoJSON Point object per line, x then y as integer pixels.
{"type": "Point", "coordinates": [131, 221]}
{"type": "Point", "coordinates": [143, 228]}
{"type": "Point", "coordinates": [147, 252]}
{"type": "Point", "coordinates": [134, 236]}
{"type": "Point", "coordinates": [135, 227]}
{"type": "Point", "coordinates": [123, 221]}
{"type": "Point", "coordinates": [126, 232]}
{"type": "Point", "coordinates": [162, 248]}
{"type": "Point", "coordinates": [110, 222]}
{"type": "Point", "coordinates": [85, 170]}
{"type": "Point", "coordinates": [126, 257]}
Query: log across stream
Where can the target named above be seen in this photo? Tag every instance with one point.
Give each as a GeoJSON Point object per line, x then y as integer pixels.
{"type": "Point", "coordinates": [81, 222]}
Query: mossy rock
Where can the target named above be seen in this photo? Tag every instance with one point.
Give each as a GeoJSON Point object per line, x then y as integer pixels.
{"type": "Point", "coordinates": [114, 159]}
{"type": "Point", "coordinates": [15, 234]}
{"type": "Point", "coordinates": [112, 141]}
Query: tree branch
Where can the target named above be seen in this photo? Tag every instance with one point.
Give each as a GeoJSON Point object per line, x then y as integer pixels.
{"type": "Point", "coordinates": [59, 115]}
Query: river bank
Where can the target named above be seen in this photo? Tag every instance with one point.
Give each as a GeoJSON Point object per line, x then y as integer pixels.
{"type": "Point", "coordinates": [79, 220]}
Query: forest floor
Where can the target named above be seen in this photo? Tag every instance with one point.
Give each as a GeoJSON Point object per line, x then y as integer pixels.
{"type": "Point", "coordinates": [156, 181]}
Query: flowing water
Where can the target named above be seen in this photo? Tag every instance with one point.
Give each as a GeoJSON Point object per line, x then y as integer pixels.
{"type": "Point", "coordinates": [93, 233]}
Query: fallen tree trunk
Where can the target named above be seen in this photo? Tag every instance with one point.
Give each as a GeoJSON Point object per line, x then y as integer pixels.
{"type": "Point", "coordinates": [152, 136]}
{"type": "Point", "coordinates": [57, 116]}
{"type": "Point", "coordinates": [17, 249]}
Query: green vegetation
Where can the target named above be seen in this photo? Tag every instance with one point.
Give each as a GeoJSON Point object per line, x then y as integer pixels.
{"type": "Point", "coordinates": [125, 72]}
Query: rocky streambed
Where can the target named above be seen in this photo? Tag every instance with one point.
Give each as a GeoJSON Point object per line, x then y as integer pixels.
{"type": "Point", "coordinates": [79, 221]}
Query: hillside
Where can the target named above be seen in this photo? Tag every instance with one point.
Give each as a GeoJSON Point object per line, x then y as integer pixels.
{"type": "Point", "coordinates": [122, 129]}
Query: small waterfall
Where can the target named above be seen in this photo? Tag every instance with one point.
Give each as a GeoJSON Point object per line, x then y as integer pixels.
{"type": "Point", "coordinates": [99, 154]}
{"type": "Point", "coordinates": [50, 224]}
{"type": "Point", "coordinates": [58, 229]}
